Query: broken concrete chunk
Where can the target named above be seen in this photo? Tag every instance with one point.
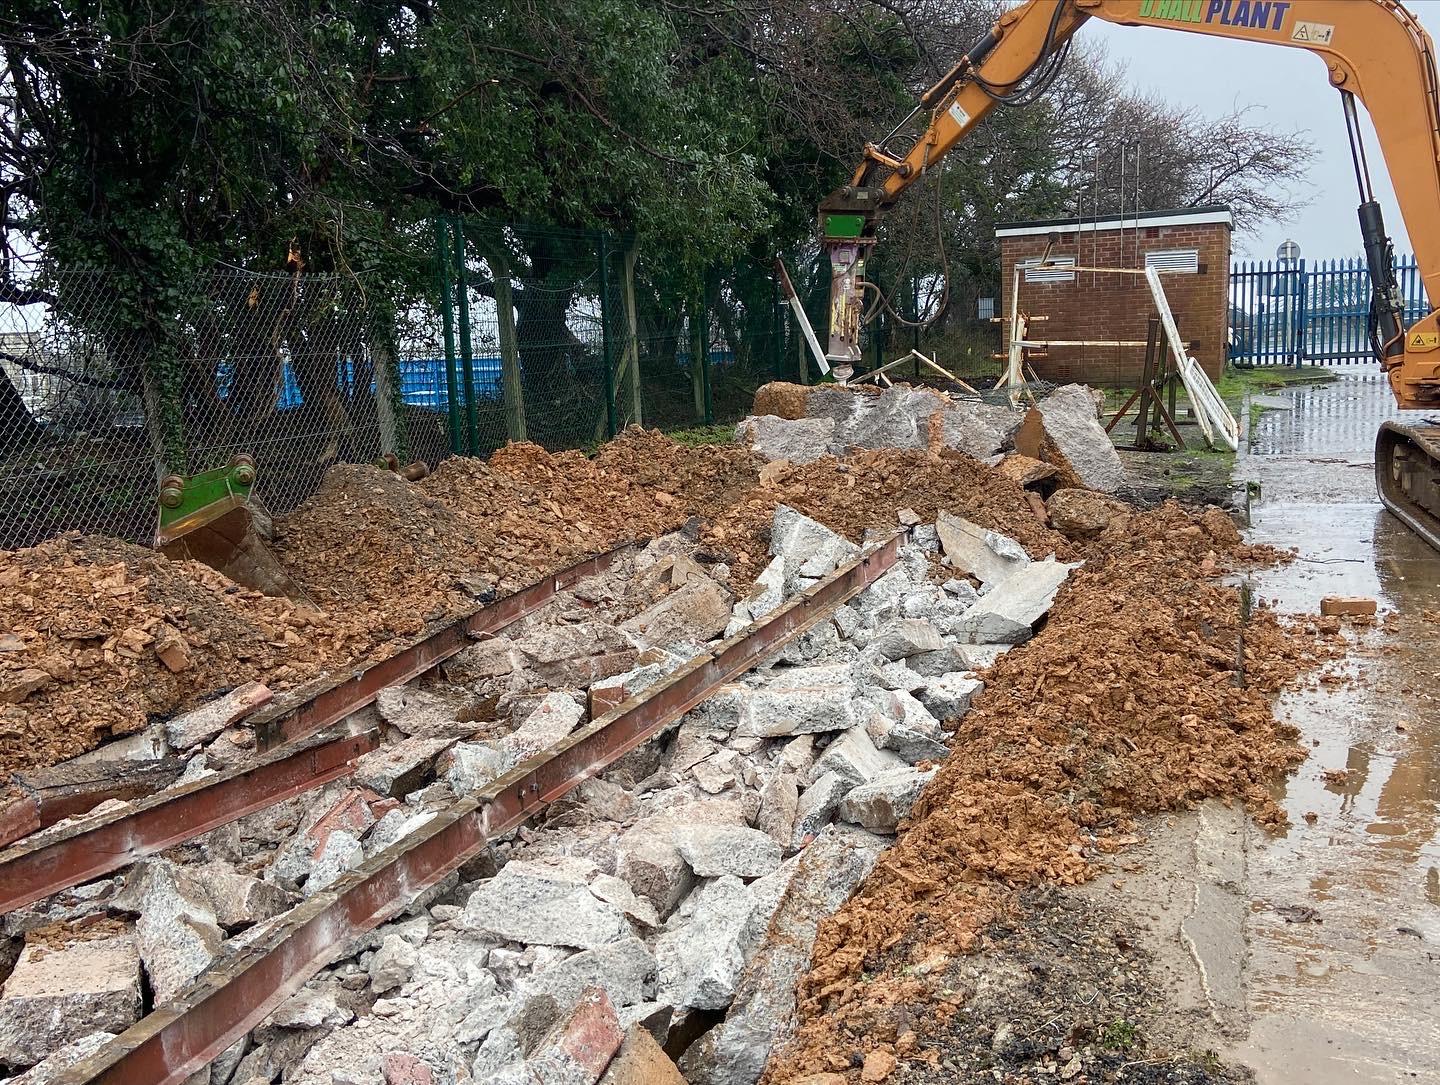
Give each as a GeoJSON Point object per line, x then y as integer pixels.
{"type": "Point", "coordinates": [239, 900]}
{"type": "Point", "coordinates": [972, 549]}
{"type": "Point", "coordinates": [59, 994]}
{"type": "Point", "coordinates": [341, 854]}
{"type": "Point", "coordinates": [624, 970]}
{"type": "Point", "coordinates": [906, 743]}
{"type": "Point", "coordinates": [799, 440]}
{"type": "Point", "coordinates": [1009, 611]}
{"type": "Point", "coordinates": [617, 891]}
{"type": "Point", "coordinates": [544, 903]}
{"type": "Point", "coordinates": [818, 805]}
{"type": "Point", "coordinates": [400, 768]}
{"type": "Point", "coordinates": [176, 932]}
{"type": "Point", "coordinates": [779, 804]}
{"type": "Point", "coordinates": [963, 591]}
{"type": "Point", "coordinates": [799, 700]}
{"type": "Point", "coordinates": [307, 1009]}
{"type": "Point", "coordinates": [50, 1068]}
{"type": "Point", "coordinates": [763, 1013]}
{"type": "Point", "coordinates": [853, 757]}
{"type": "Point", "coordinates": [469, 766]}
{"type": "Point", "coordinates": [716, 850]}
{"type": "Point", "coordinates": [553, 718]}
{"type": "Point", "coordinates": [653, 867]}
{"type": "Point", "coordinates": [699, 954]}
{"type": "Point", "coordinates": [194, 727]}
{"type": "Point", "coordinates": [905, 637]}
{"type": "Point", "coordinates": [881, 804]}
{"type": "Point", "coordinates": [392, 964]}
{"type": "Point", "coordinates": [419, 712]}
{"type": "Point", "coordinates": [696, 611]}
{"type": "Point", "coordinates": [580, 1046]}
{"type": "Point", "coordinates": [809, 548]}
{"type": "Point", "coordinates": [1077, 443]}
{"type": "Point", "coordinates": [949, 697]}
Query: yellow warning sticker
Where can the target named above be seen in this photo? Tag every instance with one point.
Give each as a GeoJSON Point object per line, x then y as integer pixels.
{"type": "Point", "coordinates": [1423, 340]}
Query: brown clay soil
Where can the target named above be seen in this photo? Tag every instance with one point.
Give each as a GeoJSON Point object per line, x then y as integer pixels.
{"type": "Point", "coordinates": [1127, 702]}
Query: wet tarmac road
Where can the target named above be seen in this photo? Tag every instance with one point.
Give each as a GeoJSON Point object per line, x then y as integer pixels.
{"type": "Point", "coordinates": [1343, 930]}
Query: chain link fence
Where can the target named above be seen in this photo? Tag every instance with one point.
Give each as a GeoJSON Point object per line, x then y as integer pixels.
{"type": "Point", "coordinates": [560, 337]}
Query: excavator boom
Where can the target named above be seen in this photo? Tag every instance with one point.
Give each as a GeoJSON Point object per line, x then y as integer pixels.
{"type": "Point", "coordinates": [1375, 52]}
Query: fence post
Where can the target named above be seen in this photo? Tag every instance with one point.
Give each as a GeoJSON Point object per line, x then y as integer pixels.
{"type": "Point", "coordinates": [467, 358]}
{"type": "Point", "coordinates": [777, 335]}
{"type": "Point", "coordinates": [511, 384]}
{"type": "Point", "coordinates": [915, 318]}
{"type": "Point", "coordinates": [705, 355]}
{"type": "Point", "coordinates": [382, 361]}
{"type": "Point", "coordinates": [632, 334]}
{"type": "Point", "coordinates": [1302, 318]}
{"type": "Point", "coordinates": [602, 248]}
{"type": "Point", "coordinates": [447, 322]}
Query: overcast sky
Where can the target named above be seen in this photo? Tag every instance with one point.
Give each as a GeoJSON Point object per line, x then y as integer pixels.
{"type": "Point", "coordinates": [1288, 88]}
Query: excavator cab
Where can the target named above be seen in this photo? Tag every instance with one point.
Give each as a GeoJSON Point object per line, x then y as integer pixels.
{"type": "Point", "coordinates": [215, 518]}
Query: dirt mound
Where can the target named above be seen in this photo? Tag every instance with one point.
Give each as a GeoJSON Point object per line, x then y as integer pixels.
{"type": "Point", "coordinates": [864, 490]}
{"type": "Point", "coordinates": [1126, 703]}
{"type": "Point", "coordinates": [366, 541]}
{"type": "Point", "coordinates": [85, 623]}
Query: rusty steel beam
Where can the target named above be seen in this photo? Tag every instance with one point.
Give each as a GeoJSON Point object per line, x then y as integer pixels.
{"type": "Point", "coordinates": [222, 1005]}
{"type": "Point", "coordinates": [97, 846]}
{"type": "Point", "coordinates": [337, 698]}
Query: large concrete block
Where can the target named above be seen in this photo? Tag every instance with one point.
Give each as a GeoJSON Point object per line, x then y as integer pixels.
{"type": "Point", "coordinates": [853, 757]}
{"type": "Point", "coordinates": [580, 1046]}
{"type": "Point", "coordinates": [799, 700]}
{"type": "Point", "coordinates": [696, 611]}
{"type": "Point", "coordinates": [810, 549]}
{"type": "Point", "coordinates": [881, 804]}
{"type": "Point", "coordinates": [191, 728]}
{"type": "Point", "coordinates": [624, 970]}
{"type": "Point", "coordinates": [545, 903]}
{"type": "Point", "coordinates": [1078, 441]}
{"type": "Point", "coordinates": [949, 697]}
{"type": "Point", "coordinates": [798, 440]}
{"type": "Point", "coordinates": [1008, 612]}
{"type": "Point", "coordinates": [699, 954]}
{"type": "Point", "coordinates": [901, 638]}
{"type": "Point", "coordinates": [176, 931]}
{"type": "Point", "coordinates": [976, 551]}
{"type": "Point", "coordinates": [716, 850]}
{"type": "Point", "coordinates": [58, 994]}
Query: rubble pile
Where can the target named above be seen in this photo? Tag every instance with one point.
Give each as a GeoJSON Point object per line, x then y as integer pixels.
{"type": "Point", "coordinates": [1130, 703]}
{"type": "Point", "coordinates": [801, 424]}
{"type": "Point", "coordinates": [685, 883]}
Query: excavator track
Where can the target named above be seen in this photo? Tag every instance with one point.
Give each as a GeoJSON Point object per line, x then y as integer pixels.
{"type": "Point", "coordinates": [1407, 474]}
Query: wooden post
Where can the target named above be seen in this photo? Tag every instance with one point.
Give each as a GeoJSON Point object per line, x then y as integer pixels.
{"type": "Point", "coordinates": [697, 360]}
{"type": "Point", "coordinates": [510, 383]}
{"type": "Point", "coordinates": [631, 358]}
{"type": "Point", "coordinates": [382, 361]}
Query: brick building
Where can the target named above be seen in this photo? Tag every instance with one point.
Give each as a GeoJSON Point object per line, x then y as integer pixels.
{"type": "Point", "coordinates": [1190, 247]}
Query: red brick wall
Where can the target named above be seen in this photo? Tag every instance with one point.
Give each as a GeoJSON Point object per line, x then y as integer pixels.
{"type": "Point", "coordinates": [1096, 306]}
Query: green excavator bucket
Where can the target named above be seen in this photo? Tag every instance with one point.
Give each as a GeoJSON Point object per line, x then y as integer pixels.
{"type": "Point", "coordinates": [212, 518]}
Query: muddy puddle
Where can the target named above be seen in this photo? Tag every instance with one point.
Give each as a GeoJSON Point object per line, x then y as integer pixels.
{"type": "Point", "coordinates": [1344, 905]}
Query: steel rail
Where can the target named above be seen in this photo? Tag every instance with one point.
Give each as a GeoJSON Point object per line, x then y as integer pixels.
{"type": "Point", "coordinates": [225, 1003]}
{"type": "Point", "coordinates": [33, 869]}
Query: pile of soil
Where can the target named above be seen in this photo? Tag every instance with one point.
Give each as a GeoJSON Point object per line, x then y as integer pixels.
{"type": "Point", "coordinates": [865, 490]}
{"type": "Point", "coordinates": [1128, 702]}
{"type": "Point", "coordinates": [414, 553]}
{"type": "Point", "coordinates": [86, 626]}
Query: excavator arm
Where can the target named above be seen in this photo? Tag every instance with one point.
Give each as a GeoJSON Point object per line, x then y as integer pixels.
{"type": "Point", "coordinates": [1375, 52]}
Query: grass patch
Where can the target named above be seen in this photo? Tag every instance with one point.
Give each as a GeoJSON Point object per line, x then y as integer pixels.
{"type": "Point", "coordinates": [1120, 1036]}
{"type": "Point", "coordinates": [695, 436]}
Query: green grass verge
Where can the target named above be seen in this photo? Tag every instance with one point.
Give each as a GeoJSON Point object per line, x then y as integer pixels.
{"type": "Point", "coordinates": [694, 436]}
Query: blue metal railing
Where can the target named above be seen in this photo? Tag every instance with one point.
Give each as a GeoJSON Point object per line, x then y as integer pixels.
{"type": "Point", "coordinates": [1294, 314]}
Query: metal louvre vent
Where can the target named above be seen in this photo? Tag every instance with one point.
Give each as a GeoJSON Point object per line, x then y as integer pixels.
{"type": "Point", "coordinates": [1052, 272]}
{"type": "Point", "coordinates": [1181, 261]}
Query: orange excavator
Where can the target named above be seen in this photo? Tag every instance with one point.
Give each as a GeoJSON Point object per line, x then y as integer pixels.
{"type": "Point", "coordinates": [1375, 51]}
